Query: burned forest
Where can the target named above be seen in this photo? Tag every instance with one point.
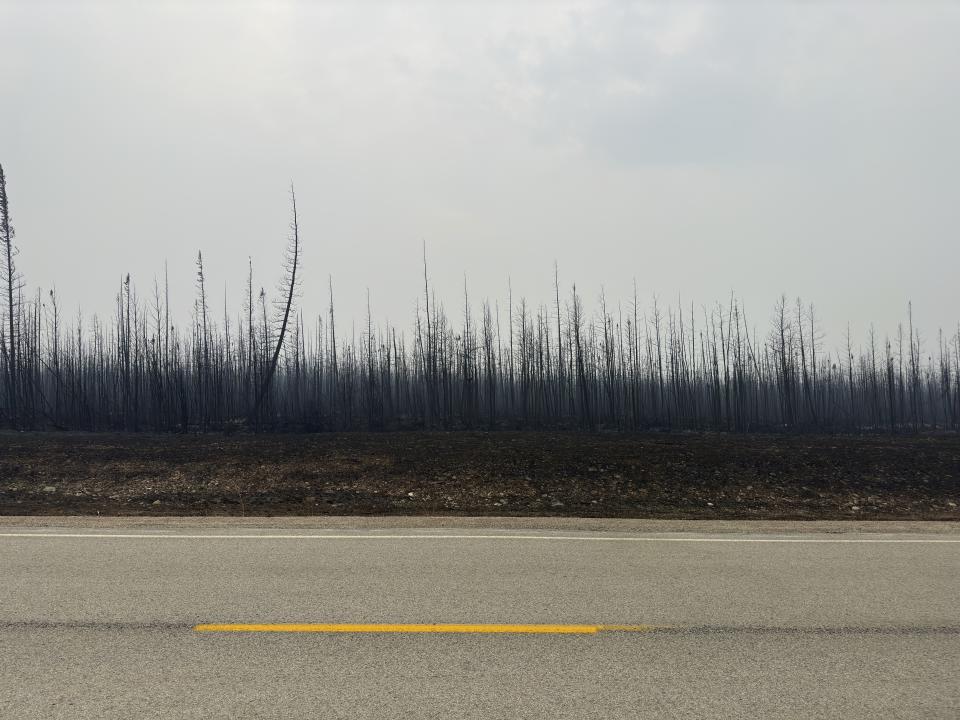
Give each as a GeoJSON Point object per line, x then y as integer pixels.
{"type": "Point", "coordinates": [627, 366]}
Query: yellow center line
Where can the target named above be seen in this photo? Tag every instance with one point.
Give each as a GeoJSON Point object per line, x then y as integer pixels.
{"type": "Point", "coordinates": [420, 628]}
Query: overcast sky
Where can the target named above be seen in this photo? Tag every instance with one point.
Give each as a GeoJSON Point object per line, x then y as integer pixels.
{"type": "Point", "coordinates": [761, 148]}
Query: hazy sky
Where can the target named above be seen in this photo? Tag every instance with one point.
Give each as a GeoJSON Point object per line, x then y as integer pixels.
{"type": "Point", "coordinates": [763, 148]}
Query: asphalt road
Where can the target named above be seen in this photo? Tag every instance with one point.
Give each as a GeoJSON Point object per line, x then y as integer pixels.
{"type": "Point", "coordinates": [749, 621]}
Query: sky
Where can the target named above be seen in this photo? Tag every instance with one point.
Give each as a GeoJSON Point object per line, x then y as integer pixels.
{"type": "Point", "coordinates": [696, 150]}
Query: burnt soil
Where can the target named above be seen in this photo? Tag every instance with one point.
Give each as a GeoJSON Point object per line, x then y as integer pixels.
{"type": "Point", "coordinates": [464, 473]}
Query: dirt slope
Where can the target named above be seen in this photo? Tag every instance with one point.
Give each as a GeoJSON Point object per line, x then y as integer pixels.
{"type": "Point", "coordinates": [609, 475]}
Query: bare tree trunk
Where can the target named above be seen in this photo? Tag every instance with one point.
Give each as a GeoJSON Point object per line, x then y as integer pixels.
{"type": "Point", "coordinates": [9, 277]}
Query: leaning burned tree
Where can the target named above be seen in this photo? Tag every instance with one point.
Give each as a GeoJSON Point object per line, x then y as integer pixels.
{"type": "Point", "coordinates": [288, 288]}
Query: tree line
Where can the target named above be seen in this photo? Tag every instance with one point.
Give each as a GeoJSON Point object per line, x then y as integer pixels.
{"type": "Point", "coordinates": [516, 365]}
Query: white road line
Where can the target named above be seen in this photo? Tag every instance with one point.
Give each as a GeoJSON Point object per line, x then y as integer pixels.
{"type": "Point", "coordinates": [580, 538]}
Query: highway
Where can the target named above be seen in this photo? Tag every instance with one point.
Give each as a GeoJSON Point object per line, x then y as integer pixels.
{"type": "Point", "coordinates": [477, 618]}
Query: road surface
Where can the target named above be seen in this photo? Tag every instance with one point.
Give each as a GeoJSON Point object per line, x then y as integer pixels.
{"type": "Point", "coordinates": [99, 619]}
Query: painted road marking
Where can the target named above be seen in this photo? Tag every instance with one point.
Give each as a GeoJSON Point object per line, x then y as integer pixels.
{"type": "Point", "coordinates": [578, 538]}
{"type": "Point", "coordinates": [422, 628]}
